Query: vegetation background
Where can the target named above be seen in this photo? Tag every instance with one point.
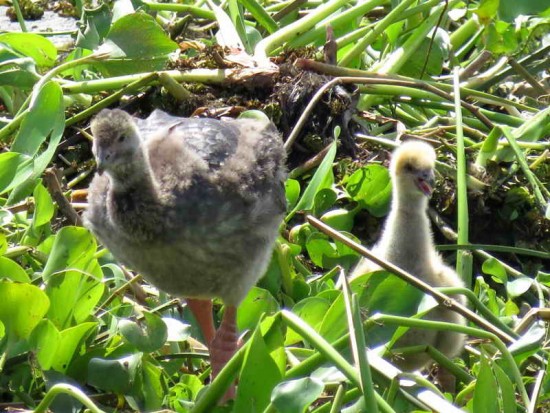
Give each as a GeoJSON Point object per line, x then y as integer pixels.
{"type": "Point", "coordinates": [343, 81]}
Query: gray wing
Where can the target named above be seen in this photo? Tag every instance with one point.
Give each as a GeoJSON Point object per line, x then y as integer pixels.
{"type": "Point", "coordinates": [212, 140]}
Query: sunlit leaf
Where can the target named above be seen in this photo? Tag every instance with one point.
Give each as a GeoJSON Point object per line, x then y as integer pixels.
{"type": "Point", "coordinates": [257, 302]}
{"type": "Point", "coordinates": [116, 375]}
{"type": "Point", "coordinates": [295, 396]}
{"type": "Point", "coordinates": [371, 187]}
{"type": "Point", "coordinates": [70, 341]}
{"type": "Point", "coordinates": [21, 308]}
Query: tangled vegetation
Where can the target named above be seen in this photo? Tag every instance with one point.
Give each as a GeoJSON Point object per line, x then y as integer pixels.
{"type": "Point", "coordinates": [344, 82]}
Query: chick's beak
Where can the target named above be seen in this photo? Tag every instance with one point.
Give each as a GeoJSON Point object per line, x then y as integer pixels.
{"type": "Point", "coordinates": [101, 161]}
{"type": "Point", "coordinates": [425, 181]}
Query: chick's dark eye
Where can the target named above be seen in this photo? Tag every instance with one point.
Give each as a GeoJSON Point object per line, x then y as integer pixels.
{"type": "Point", "coordinates": [121, 138]}
{"type": "Point", "coordinates": [409, 167]}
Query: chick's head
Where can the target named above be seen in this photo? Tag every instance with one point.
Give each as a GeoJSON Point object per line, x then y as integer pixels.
{"type": "Point", "coordinates": [116, 140]}
{"type": "Point", "coordinates": [412, 169]}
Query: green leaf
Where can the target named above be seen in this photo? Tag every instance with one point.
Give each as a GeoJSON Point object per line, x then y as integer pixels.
{"type": "Point", "coordinates": [39, 48]}
{"type": "Point", "coordinates": [295, 396]}
{"type": "Point", "coordinates": [324, 199]}
{"type": "Point", "coordinates": [46, 118]}
{"type": "Point", "coordinates": [70, 340]}
{"type": "Point", "coordinates": [493, 267]}
{"type": "Point", "coordinates": [3, 244]}
{"type": "Point", "coordinates": [44, 207]}
{"type": "Point", "coordinates": [370, 186]}
{"type": "Point", "coordinates": [529, 342]}
{"type": "Point", "coordinates": [486, 390]}
{"type": "Point", "coordinates": [519, 286]}
{"type": "Point", "coordinates": [9, 165]}
{"type": "Point", "coordinates": [506, 390]}
{"type": "Point", "coordinates": [340, 219]}
{"type": "Point", "coordinates": [73, 248]}
{"type": "Point", "coordinates": [508, 10]}
{"type": "Point", "coordinates": [136, 43]}
{"type": "Point", "coordinates": [259, 375]}
{"type": "Point", "coordinates": [147, 336]}
{"type": "Point", "coordinates": [256, 303]}
{"type": "Point", "coordinates": [21, 308]}
{"type": "Point", "coordinates": [13, 271]}
{"type": "Point", "coordinates": [312, 310]}
{"type": "Point", "coordinates": [45, 341]}
{"type": "Point", "coordinates": [260, 15]}
{"type": "Point", "coordinates": [116, 375]}
{"type": "Point", "coordinates": [292, 192]}
{"type": "Point", "coordinates": [319, 181]}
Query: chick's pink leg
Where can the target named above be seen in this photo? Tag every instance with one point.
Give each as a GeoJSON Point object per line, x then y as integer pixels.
{"type": "Point", "coordinates": [202, 311]}
{"type": "Point", "coordinates": [224, 345]}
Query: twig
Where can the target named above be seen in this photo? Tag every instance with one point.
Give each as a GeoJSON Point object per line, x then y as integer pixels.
{"type": "Point", "coordinates": [54, 188]}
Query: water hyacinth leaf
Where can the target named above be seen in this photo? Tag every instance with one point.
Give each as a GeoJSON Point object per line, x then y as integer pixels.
{"type": "Point", "coordinates": [73, 248]}
{"type": "Point", "coordinates": [135, 43]}
{"type": "Point", "coordinates": [177, 331]}
{"type": "Point", "coordinates": [259, 375]}
{"type": "Point", "coordinates": [21, 308]}
{"type": "Point", "coordinates": [96, 27]}
{"type": "Point", "coordinates": [39, 48]}
{"type": "Point", "coordinates": [44, 207]}
{"type": "Point", "coordinates": [506, 390]}
{"type": "Point", "coordinates": [295, 396]}
{"type": "Point", "coordinates": [494, 268]}
{"type": "Point", "coordinates": [256, 303]}
{"type": "Point", "coordinates": [486, 390]}
{"type": "Point", "coordinates": [150, 391]}
{"type": "Point", "coordinates": [45, 119]}
{"type": "Point", "coordinates": [71, 339]}
{"type": "Point", "coordinates": [519, 286]}
{"type": "Point", "coordinates": [116, 375]}
{"type": "Point", "coordinates": [340, 219]}
{"type": "Point", "coordinates": [334, 324]}
{"type": "Point", "coordinates": [292, 192]}
{"type": "Point", "coordinates": [324, 199]}
{"type": "Point", "coordinates": [13, 271]}
{"type": "Point", "coordinates": [146, 335]}
{"type": "Point", "coordinates": [15, 169]}
{"type": "Point", "coordinates": [45, 341]}
{"type": "Point", "coordinates": [18, 72]}
{"type": "Point", "coordinates": [322, 178]}
{"type": "Point", "coordinates": [312, 310]}
{"type": "Point", "coordinates": [370, 186]}
{"type": "Point", "coordinates": [529, 342]}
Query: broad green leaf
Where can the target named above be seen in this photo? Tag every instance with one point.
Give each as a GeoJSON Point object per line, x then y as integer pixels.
{"type": "Point", "coordinates": [370, 186]}
{"type": "Point", "coordinates": [256, 303]}
{"type": "Point", "coordinates": [508, 10]}
{"type": "Point", "coordinates": [146, 335]}
{"type": "Point", "coordinates": [44, 207]}
{"type": "Point", "coordinates": [340, 219]}
{"type": "Point", "coordinates": [135, 43]}
{"type": "Point", "coordinates": [312, 310]}
{"type": "Point", "coordinates": [45, 119]}
{"type": "Point", "coordinates": [334, 324]}
{"type": "Point", "coordinates": [295, 396]}
{"type": "Point", "coordinates": [506, 390]}
{"type": "Point", "coordinates": [152, 388]}
{"type": "Point", "coordinates": [292, 192]}
{"type": "Point", "coordinates": [33, 45]}
{"type": "Point", "coordinates": [322, 176]}
{"type": "Point", "coordinates": [486, 390]}
{"type": "Point", "coordinates": [70, 340]}
{"type": "Point", "coordinates": [259, 375]}
{"type": "Point", "coordinates": [260, 15]}
{"type": "Point", "coordinates": [9, 164]}
{"type": "Point", "coordinates": [73, 248]}
{"type": "Point", "coordinates": [519, 286]}
{"type": "Point", "coordinates": [116, 375]}
{"type": "Point", "coordinates": [183, 391]}
{"type": "Point", "coordinates": [529, 342]}
{"type": "Point", "coordinates": [324, 199]}
{"type": "Point", "coordinates": [493, 267]}
{"type": "Point", "coordinates": [45, 341]}
{"type": "Point", "coordinates": [97, 24]}
{"type": "Point", "coordinates": [13, 271]}
{"type": "Point", "coordinates": [21, 308]}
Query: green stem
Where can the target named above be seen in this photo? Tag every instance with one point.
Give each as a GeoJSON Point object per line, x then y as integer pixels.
{"type": "Point", "coordinates": [19, 15]}
{"type": "Point", "coordinates": [180, 8]}
{"type": "Point", "coordinates": [72, 391]}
